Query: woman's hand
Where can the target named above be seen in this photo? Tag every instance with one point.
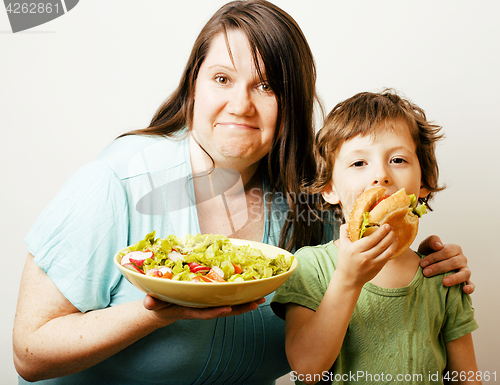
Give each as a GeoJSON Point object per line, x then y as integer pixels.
{"type": "Point", "coordinates": [165, 310]}
{"type": "Point", "coordinates": [444, 258]}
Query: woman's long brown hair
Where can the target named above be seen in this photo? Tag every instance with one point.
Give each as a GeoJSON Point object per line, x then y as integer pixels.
{"type": "Point", "coordinates": [275, 37]}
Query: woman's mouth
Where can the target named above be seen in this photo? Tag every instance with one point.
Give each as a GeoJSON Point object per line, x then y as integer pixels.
{"type": "Point", "coordinates": [236, 126]}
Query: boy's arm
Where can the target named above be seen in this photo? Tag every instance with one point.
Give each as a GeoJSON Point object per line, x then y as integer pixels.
{"type": "Point", "coordinates": [461, 366]}
{"type": "Point", "coordinates": [313, 339]}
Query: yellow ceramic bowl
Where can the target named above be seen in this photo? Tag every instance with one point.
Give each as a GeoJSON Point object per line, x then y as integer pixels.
{"type": "Point", "coordinates": [204, 294]}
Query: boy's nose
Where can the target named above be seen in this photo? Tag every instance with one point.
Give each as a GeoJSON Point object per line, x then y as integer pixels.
{"type": "Point", "coordinates": [381, 181]}
{"type": "Point", "coordinates": [381, 177]}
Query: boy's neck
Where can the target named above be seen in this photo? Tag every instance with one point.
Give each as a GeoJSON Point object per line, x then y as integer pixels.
{"type": "Point", "coordinates": [398, 272]}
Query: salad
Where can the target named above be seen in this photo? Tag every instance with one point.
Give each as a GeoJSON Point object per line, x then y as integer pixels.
{"type": "Point", "coordinates": [201, 258]}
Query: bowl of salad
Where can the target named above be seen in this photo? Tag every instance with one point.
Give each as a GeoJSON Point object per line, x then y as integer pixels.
{"type": "Point", "coordinates": [205, 270]}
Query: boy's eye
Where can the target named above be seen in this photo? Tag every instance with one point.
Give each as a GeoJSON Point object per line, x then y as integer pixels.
{"type": "Point", "coordinates": [397, 160]}
{"type": "Point", "coordinates": [358, 163]}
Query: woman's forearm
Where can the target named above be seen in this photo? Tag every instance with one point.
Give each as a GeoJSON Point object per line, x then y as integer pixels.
{"type": "Point", "coordinates": [52, 338]}
{"type": "Point", "coordinates": [77, 341]}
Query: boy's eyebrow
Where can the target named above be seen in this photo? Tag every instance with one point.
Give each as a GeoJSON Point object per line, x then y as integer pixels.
{"type": "Point", "coordinates": [361, 152]}
{"type": "Point", "coordinates": [353, 153]}
{"type": "Point", "coordinates": [395, 148]}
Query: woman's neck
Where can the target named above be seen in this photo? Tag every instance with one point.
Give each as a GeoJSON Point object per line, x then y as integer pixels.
{"type": "Point", "coordinates": [228, 201]}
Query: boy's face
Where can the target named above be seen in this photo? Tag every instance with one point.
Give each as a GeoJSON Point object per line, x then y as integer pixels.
{"type": "Point", "coordinates": [387, 160]}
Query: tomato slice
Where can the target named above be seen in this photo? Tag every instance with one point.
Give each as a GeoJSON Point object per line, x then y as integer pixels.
{"type": "Point", "coordinates": [214, 276]}
{"type": "Point", "coordinates": [377, 202]}
{"type": "Point", "coordinates": [237, 269]}
{"type": "Point", "coordinates": [201, 278]}
{"type": "Point", "coordinates": [167, 275]}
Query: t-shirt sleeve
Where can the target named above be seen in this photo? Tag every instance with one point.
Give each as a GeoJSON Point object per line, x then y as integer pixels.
{"type": "Point", "coordinates": [459, 315]}
{"type": "Point", "coordinates": [306, 286]}
{"type": "Point", "coordinates": [76, 236]}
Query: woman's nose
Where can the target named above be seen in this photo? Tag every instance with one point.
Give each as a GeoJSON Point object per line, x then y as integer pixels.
{"type": "Point", "coordinates": [240, 102]}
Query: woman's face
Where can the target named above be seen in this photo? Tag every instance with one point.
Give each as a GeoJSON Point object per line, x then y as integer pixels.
{"type": "Point", "coordinates": [234, 116]}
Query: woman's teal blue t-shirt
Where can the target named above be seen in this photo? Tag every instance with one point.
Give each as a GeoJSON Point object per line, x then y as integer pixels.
{"type": "Point", "coordinates": [139, 184]}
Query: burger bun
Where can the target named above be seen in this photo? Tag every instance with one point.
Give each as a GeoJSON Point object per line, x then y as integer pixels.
{"type": "Point", "coordinates": [393, 210]}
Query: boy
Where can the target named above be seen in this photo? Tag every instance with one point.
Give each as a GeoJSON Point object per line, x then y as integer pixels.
{"type": "Point", "coordinates": [351, 313]}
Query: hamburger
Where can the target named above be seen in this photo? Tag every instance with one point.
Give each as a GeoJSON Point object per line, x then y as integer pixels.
{"type": "Point", "coordinates": [373, 209]}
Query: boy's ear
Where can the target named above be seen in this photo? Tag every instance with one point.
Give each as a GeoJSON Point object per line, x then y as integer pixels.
{"type": "Point", "coordinates": [423, 192]}
{"type": "Point", "coordinates": [330, 195]}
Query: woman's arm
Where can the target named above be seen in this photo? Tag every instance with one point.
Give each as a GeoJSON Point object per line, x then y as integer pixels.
{"type": "Point", "coordinates": [52, 338]}
{"type": "Point", "coordinates": [444, 258]}
{"type": "Point", "coordinates": [462, 366]}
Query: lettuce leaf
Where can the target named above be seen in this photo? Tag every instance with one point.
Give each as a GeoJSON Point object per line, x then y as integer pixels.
{"type": "Point", "coordinates": [417, 210]}
{"type": "Point", "coordinates": [364, 225]}
{"type": "Point", "coordinates": [420, 210]}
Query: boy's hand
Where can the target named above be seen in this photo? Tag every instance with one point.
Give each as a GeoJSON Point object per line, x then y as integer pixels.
{"type": "Point", "coordinates": [360, 261]}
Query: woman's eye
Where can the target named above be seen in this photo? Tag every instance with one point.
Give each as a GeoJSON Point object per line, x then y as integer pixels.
{"type": "Point", "coordinates": [265, 87]}
{"type": "Point", "coordinates": [397, 160]}
{"type": "Point", "coordinates": [221, 79]}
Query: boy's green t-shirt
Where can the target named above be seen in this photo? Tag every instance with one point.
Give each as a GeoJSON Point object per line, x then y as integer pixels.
{"type": "Point", "coordinates": [395, 335]}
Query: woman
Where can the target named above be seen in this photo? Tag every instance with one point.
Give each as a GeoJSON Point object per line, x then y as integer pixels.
{"type": "Point", "coordinates": [226, 153]}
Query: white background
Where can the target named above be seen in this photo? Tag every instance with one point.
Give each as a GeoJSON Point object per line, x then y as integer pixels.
{"type": "Point", "coordinates": [69, 87]}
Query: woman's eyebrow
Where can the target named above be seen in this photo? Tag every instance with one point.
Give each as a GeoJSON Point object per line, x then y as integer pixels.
{"type": "Point", "coordinates": [232, 69]}
{"type": "Point", "coordinates": [222, 66]}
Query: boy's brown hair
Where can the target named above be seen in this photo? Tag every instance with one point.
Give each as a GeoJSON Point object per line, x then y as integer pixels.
{"type": "Point", "coordinates": [367, 113]}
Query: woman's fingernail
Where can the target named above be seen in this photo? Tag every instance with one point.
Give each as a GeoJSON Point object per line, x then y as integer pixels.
{"type": "Point", "coordinates": [447, 281]}
{"type": "Point", "coordinates": [428, 271]}
{"type": "Point", "coordinates": [424, 264]}
{"type": "Point", "coordinates": [439, 244]}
